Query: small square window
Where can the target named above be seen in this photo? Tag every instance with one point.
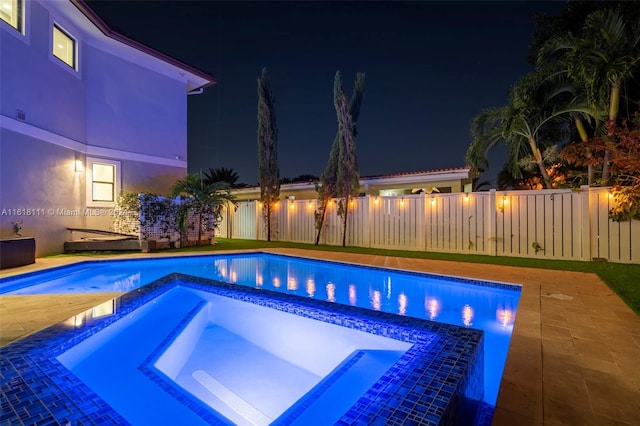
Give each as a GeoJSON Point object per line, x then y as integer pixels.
{"type": "Point", "coordinates": [11, 13]}
{"type": "Point", "coordinates": [64, 47]}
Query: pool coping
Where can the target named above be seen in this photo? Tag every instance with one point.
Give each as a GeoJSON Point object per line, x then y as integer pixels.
{"type": "Point", "coordinates": [463, 280]}
{"type": "Point", "coordinates": [433, 371]}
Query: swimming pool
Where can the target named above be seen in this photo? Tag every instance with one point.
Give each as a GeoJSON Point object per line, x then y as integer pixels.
{"type": "Point", "coordinates": [127, 365]}
{"type": "Point", "coordinates": [488, 306]}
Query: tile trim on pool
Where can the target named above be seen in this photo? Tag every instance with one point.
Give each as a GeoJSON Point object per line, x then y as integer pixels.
{"type": "Point", "coordinates": [471, 281]}
{"type": "Point", "coordinates": [463, 280]}
{"type": "Point", "coordinates": [426, 386]}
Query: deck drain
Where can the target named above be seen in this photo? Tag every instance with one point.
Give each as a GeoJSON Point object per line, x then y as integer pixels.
{"type": "Point", "coordinates": [558, 296]}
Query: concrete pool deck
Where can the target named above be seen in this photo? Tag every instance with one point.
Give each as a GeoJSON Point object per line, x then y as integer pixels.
{"type": "Point", "coordinates": [573, 358]}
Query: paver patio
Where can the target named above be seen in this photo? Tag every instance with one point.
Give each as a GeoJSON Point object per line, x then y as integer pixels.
{"type": "Point", "coordinates": [574, 357]}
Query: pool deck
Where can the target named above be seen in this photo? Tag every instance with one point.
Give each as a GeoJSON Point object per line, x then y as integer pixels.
{"type": "Point", "coordinates": [574, 353]}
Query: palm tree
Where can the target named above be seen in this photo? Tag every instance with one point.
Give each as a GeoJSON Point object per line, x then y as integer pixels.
{"type": "Point", "coordinates": [520, 123]}
{"type": "Point", "coordinates": [202, 199]}
{"type": "Point", "coordinates": [601, 60]}
{"type": "Point", "coordinates": [221, 174]}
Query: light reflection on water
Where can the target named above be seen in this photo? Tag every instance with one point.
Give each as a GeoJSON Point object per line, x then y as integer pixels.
{"type": "Point", "coordinates": [491, 309]}
{"type": "Point", "coordinates": [385, 290]}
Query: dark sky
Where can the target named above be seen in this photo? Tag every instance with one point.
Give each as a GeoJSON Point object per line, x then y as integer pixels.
{"type": "Point", "coordinates": [430, 67]}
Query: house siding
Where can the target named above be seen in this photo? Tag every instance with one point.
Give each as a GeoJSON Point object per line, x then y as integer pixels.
{"type": "Point", "coordinates": [119, 108]}
{"type": "Point", "coordinates": [52, 98]}
{"type": "Point", "coordinates": [132, 109]}
{"type": "Point", "coordinates": [39, 188]}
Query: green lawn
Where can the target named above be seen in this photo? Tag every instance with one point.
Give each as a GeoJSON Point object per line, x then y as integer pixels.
{"type": "Point", "coordinates": [624, 279]}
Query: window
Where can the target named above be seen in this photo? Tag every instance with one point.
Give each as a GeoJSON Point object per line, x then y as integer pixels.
{"type": "Point", "coordinates": [64, 47]}
{"type": "Point", "coordinates": [11, 13]}
{"type": "Point", "coordinates": [103, 181]}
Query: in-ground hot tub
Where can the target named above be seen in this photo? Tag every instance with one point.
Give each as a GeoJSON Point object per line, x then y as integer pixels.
{"type": "Point", "coordinates": [324, 363]}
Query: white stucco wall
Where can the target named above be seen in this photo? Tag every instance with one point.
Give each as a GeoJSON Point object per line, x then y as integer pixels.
{"type": "Point", "coordinates": [133, 109]}
{"type": "Point", "coordinates": [39, 187]}
{"type": "Point", "coordinates": [52, 97]}
{"type": "Point", "coordinates": [124, 108]}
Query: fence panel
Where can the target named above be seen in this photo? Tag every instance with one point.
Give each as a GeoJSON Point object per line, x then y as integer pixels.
{"type": "Point", "coordinates": [244, 221]}
{"type": "Point", "coordinates": [301, 221]}
{"type": "Point", "coordinates": [553, 224]}
{"type": "Point", "coordinates": [615, 241]}
{"type": "Point", "coordinates": [539, 224]}
{"type": "Point", "coordinates": [397, 222]}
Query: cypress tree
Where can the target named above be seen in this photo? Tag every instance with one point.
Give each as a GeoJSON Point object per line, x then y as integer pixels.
{"type": "Point", "coordinates": [348, 178]}
{"type": "Point", "coordinates": [267, 150]}
{"type": "Point", "coordinates": [327, 189]}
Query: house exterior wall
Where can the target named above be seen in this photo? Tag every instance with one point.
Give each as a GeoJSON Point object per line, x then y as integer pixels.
{"type": "Point", "coordinates": [52, 98]}
{"type": "Point", "coordinates": [115, 107]}
{"type": "Point", "coordinates": [132, 109]}
{"type": "Point", "coordinates": [40, 190]}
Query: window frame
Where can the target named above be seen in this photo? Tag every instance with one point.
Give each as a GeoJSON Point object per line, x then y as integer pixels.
{"type": "Point", "coordinates": [20, 6]}
{"type": "Point", "coordinates": [74, 45]}
{"type": "Point", "coordinates": [117, 186]}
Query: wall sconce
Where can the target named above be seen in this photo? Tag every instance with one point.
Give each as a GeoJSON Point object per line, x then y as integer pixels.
{"type": "Point", "coordinates": [433, 201]}
{"type": "Point", "coordinates": [375, 200]}
{"type": "Point", "coordinates": [466, 197]}
{"type": "Point", "coordinates": [310, 204]}
{"type": "Point", "coordinates": [291, 206]}
{"type": "Point", "coordinates": [78, 165]}
{"type": "Point", "coordinates": [402, 201]}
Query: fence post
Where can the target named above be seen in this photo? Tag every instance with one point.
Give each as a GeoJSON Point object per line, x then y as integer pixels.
{"type": "Point", "coordinates": [492, 240]}
{"type": "Point", "coordinates": [585, 222]}
{"type": "Point", "coordinates": [257, 220]}
{"type": "Point", "coordinates": [366, 237]}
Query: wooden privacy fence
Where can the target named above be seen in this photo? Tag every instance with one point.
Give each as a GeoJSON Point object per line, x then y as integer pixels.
{"type": "Point", "coordinates": [552, 224]}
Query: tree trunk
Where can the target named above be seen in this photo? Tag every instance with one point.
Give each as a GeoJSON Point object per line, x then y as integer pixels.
{"type": "Point", "coordinates": [540, 163]}
{"type": "Point", "coordinates": [324, 210]}
{"type": "Point", "coordinates": [199, 233]}
{"type": "Point", "coordinates": [268, 221]}
{"type": "Point", "coordinates": [614, 103]}
{"type": "Point", "coordinates": [584, 138]}
{"type": "Point", "coordinates": [344, 225]}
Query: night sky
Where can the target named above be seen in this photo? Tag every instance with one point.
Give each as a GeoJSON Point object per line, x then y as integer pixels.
{"type": "Point", "coordinates": [430, 66]}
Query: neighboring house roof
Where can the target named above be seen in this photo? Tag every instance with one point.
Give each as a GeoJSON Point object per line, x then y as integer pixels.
{"type": "Point", "coordinates": [453, 173]}
{"type": "Point", "coordinates": [407, 177]}
{"type": "Point", "coordinates": [202, 79]}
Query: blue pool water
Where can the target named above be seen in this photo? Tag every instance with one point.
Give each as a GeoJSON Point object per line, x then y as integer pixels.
{"type": "Point", "coordinates": [488, 306]}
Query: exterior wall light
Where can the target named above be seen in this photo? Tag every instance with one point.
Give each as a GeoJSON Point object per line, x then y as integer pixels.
{"type": "Point", "coordinates": [78, 166]}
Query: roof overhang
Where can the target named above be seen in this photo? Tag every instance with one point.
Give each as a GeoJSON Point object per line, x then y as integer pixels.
{"type": "Point", "coordinates": [418, 177]}
{"type": "Point", "coordinates": [98, 34]}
